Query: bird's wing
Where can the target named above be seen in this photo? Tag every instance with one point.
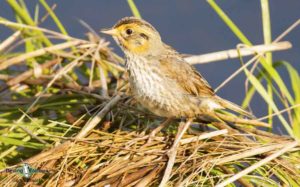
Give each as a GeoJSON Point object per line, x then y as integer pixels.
{"type": "Point", "coordinates": [185, 75]}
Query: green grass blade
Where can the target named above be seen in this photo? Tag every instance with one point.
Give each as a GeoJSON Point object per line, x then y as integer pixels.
{"type": "Point", "coordinates": [295, 80]}
{"type": "Point", "coordinates": [16, 142]}
{"type": "Point", "coordinates": [24, 15]}
{"type": "Point", "coordinates": [267, 40]}
{"type": "Point", "coordinates": [251, 90]}
{"type": "Point", "coordinates": [261, 90]}
{"type": "Point", "coordinates": [278, 80]}
{"type": "Point", "coordinates": [36, 13]}
{"type": "Point", "coordinates": [134, 9]}
{"type": "Point", "coordinates": [54, 17]}
{"type": "Point", "coordinates": [21, 12]}
{"type": "Point", "coordinates": [285, 177]}
{"type": "Point", "coordinates": [266, 27]}
{"type": "Point", "coordinates": [232, 26]}
{"type": "Point", "coordinates": [229, 22]}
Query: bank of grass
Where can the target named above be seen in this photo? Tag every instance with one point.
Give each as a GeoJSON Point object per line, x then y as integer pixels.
{"type": "Point", "coordinates": [65, 109]}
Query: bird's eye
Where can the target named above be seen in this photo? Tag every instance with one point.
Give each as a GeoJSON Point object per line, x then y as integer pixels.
{"type": "Point", "coordinates": [129, 31]}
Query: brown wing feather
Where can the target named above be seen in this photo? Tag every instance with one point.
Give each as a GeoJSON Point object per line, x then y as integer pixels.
{"type": "Point", "coordinates": [185, 75]}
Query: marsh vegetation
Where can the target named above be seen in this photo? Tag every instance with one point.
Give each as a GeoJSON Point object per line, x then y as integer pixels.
{"type": "Point", "coordinates": [66, 108]}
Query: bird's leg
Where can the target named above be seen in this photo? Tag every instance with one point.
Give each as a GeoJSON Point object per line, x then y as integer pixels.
{"type": "Point", "coordinates": [158, 129]}
{"type": "Point", "coordinates": [182, 128]}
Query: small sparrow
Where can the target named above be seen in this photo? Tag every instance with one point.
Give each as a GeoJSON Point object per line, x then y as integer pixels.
{"type": "Point", "coordinates": [160, 78]}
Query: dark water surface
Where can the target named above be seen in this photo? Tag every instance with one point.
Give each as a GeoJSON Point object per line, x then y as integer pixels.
{"type": "Point", "coordinates": [190, 27]}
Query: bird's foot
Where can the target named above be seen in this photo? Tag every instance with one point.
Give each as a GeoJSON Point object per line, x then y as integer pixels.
{"type": "Point", "coordinates": [157, 130]}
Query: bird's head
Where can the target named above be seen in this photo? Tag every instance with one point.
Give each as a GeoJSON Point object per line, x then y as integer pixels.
{"type": "Point", "coordinates": [136, 36]}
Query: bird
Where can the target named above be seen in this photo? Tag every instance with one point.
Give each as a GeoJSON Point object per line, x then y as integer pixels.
{"type": "Point", "coordinates": [160, 79]}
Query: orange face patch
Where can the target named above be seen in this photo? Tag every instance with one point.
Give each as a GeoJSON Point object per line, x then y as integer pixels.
{"type": "Point", "coordinates": [136, 42]}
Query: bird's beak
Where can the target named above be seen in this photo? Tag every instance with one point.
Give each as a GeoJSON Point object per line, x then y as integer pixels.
{"type": "Point", "coordinates": [112, 32]}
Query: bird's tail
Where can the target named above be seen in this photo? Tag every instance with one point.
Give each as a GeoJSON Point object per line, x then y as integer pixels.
{"type": "Point", "coordinates": [231, 106]}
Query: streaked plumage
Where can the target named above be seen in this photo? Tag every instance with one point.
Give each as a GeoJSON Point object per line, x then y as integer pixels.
{"type": "Point", "coordinates": [161, 79]}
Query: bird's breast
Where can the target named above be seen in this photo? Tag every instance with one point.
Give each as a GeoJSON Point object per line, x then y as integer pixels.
{"type": "Point", "coordinates": [145, 80]}
{"type": "Point", "coordinates": [150, 87]}
{"type": "Point", "coordinates": [155, 91]}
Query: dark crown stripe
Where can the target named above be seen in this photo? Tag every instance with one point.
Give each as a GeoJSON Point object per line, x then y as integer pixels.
{"type": "Point", "coordinates": [128, 20]}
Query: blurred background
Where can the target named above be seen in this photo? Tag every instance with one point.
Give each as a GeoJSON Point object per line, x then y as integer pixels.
{"type": "Point", "coordinates": [191, 27]}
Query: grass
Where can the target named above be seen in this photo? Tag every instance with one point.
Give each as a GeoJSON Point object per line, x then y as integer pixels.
{"type": "Point", "coordinates": [66, 108]}
{"type": "Point", "coordinates": [269, 71]}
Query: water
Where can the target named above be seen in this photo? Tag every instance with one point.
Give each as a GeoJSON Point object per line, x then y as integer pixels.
{"type": "Point", "coordinates": [191, 27]}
